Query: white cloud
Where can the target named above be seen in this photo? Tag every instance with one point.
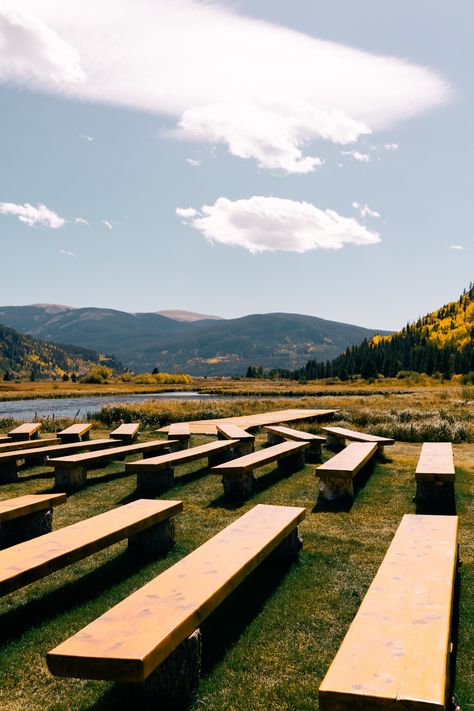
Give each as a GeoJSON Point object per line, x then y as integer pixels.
{"type": "Point", "coordinates": [33, 216]}
{"type": "Point", "coordinates": [108, 224]}
{"type": "Point", "coordinates": [220, 76]}
{"type": "Point", "coordinates": [365, 210]}
{"type": "Point", "coordinates": [391, 146]}
{"type": "Point", "coordinates": [194, 163]}
{"type": "Point", "coordinates": [81, 221]}
{"type": "Point", "coordinates": [456, 246]}
{"type": "Point", "coordinates": [89, 139]}
{"type": "Point", "coordinates": [269, 224]}
{"type": "Point", "coordinates": [67, 253]}
{"type": "Point", "coordinates": [31, 50]}
{"type": "Point", "coordinates": [357, 155]}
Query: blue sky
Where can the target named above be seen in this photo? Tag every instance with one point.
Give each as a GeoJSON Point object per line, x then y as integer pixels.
{"type": "Point", "coordinates": [237, 157]}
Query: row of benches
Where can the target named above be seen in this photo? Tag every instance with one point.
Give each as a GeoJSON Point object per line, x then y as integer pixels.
{"type": "Point", "coordinates": [29, 432]}
{"type": "Point", "coordinates": [395, 652]}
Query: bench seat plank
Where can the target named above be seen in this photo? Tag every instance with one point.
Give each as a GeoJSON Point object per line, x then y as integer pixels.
{"type": "Point", "coordinates": [37, 452]}
{"type": "Point", "coordinates": [127, 432]}
{"type": "Point", "coordinates": [397, 647]}
{"type": "Point", "coordinates": [343, 433]}
{"type": "Point", "coordinates": [32, 560]}
{"type": "Point", "coordinates": [436, 462]}
{"type": "Point", "coordinates": [349, 461]}
{"type": "Point", "coordinates": [129, 641]}
{"type": "Point", "coordinates": [292, 434]}
{"type": "Point", "coordinates": [76, 432]}
{"type": "Point", "coordinates": [229, 430]}
{"type": "Point", "coordinates": [252, 461]}
{"type": "Point", "coordinates": [29, 444]}
{"type": "Point", "coordinates": [28, 430]}
{"type": "Point", "coordinates": [117, 452]}
{"type": "Point", "coordinates": [28, 504]}
{"type": "Point", "coordinates": [181, 457]}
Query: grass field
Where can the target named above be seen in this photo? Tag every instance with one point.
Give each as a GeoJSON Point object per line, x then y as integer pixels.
{"type": "Point", "coordinates": [270, 644]}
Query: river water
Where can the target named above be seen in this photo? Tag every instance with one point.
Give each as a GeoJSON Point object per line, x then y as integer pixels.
{"type": "Point", "coordinates": [80, 406]}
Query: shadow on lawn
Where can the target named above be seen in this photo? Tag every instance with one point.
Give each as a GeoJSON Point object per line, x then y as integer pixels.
{"type": "Point", "coordinates": [262, 483]}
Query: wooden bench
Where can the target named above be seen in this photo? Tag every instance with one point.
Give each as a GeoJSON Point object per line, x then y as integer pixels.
{"type": "Point", "coordinates": [396, 652]}
{"type": "Point", "coordinates": [245, 440]}
{"type": "Point", "coordinates": [435, 473]}
{"type": "Point", "coordinates": [337, 436]}
{"type": "Point", "coordinates": [76, 433]}
{"type": "Point", "coordinates": [278, 433]}
{"type": "Point", "coordinates": [4, 439]}
{"type": "Point", "coordinates": [336, 475]}
{"type": "Point", "coordinates": [28, 430]}
{"type": "Point", "coordinates": [237, 475]}
{"type": "Point", "coordinates": [126, 432]}
{"type": "Point", "coordinates": [28, 444]}
{"type": "Point", "coordinates": [180, 431]}
{"type": "Point", "coordinates": [26, 517]}
{"type": "Point", "coordinates": [144, 522]}
{"type": "Point", "coordinates": [10, 461]}
{"type": "Point", "coordinates": [133, 641]}
{"type": "Point", "coordinates": [71, 472]}
{"type": "Point", "coordinates": [157, 474]}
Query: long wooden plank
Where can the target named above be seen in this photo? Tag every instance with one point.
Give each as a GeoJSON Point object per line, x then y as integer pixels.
{"type": "Point", "coordinates": [135, 636]}
{"type": "Point", "coordinates": [37, 452]}
{"type": "Point", "coordinates": [29, 444]}
{"type": "Point", "coordinates": [128, 431]}
{"type": "Point", "coordinates": [436, 462]}
{"type": "Point", "coordinates": [111, 453]}
{"type": "Point", "coordinates": [76, 432]}
{"type": "Point", "coordinates": [32, 560]}
{"type": "Point", "coordinates": [354, 436]}
{"type": "Point", "coordinates": [181, 457]}
{"type": "Point", "coordinates": [229, 430]}
{"type": "Point", "coordinates": [28, 504]}
{"type": "Point", "coordinates": [396, 650]}
{"type": "Point", "coordinates": [257, 420]}
{"type": "Point", "coordinates": [258, 459]}
{"type": "Point", "coordinates": [295, 435]}
{"type": "Point", "coordinates": [349, 461]}
{"type": "Point", "coordinates": [28, 430]}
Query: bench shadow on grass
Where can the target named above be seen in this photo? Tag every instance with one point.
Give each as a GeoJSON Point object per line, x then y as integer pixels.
{"type": "Point", "coordinates": [262, 483]}
{"type": "Point", "coordinates": [178, 481]}
{"type": "Point", "coordinates": [443, 507]}
{"type": "Point", "coordinates": [344, 505]}
{"type": "Point", "coordinates": [220, 631]}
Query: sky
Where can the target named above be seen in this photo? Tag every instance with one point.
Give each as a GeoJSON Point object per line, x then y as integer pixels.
{"type": "Point", "coordinates": [237, 157]}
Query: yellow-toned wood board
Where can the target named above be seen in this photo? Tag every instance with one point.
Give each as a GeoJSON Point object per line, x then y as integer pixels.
{"type": "Point", "coordinates": [344, 433]}
{"type": "Point", "coordinates": [254, 421]}
{"type": "Point", "coordinates": [180, 457]}
{"type": "Point", "coordinates": [349, 461]}
{"type": "Point", "coordinates": [258, 459]}
{"type": "Point", "coordinates": [436, 461]}
{"type": "Point", "coordinates": [111, 453]}
{"type": "Point", "coordinates": [230, 430]}
{"type": "Point", "coordinates": [296, 435]}
{"type": "Point", "coordinates": [75, 432]}
{"type": "Point", "coordinates": [128, 431]}
{"type": "Point", "coordinates": [32, 560]}
{"type": "Point", "coordinates": [129, 641]}
{"type": "Point", "coordinates": [397, 647]}
{"type": "Point", "coordinates": [36, 452]}
{"type": "Point", "coordinates": [29, 444]}
{"type": "Point", "coordinates": [28, 504]}
{"type": "Point", "coordinates": [28, 430]}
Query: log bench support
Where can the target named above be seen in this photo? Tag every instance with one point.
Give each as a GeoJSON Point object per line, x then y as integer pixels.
{"type": "Point", "coordinates": [70, 478]}
{"type": "Point", "coordinates": [291, 464]}
{"type": "Point", "coordinates": [9, 471]}
{"type": "Point", "coordinates": [238, 486]}
{"type": "Point", "coordinates": [22, 529]}
{"type": "Point", "coordinates": [336, 474]}
{"type": "Point", "coordinates": [151, 483]}
{"type": "Point", "coordinates": [334, 489]}
{"type": "Point", "coordinates": [154, 541]}
{"type": "Point", "coordinates": [435, 492]}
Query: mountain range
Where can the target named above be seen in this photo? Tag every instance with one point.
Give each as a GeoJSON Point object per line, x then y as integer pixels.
{"type": "Point", "coordinates": [188, 342]}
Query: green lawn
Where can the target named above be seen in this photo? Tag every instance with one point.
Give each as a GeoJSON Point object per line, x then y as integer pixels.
{"type": "Point", "coordinates": [270, 644]}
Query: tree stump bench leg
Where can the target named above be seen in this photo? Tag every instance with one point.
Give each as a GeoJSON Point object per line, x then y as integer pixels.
{"type": "Point", "coordinates": [244, 447]}
{"type": "Point", "coordinates": [9, 471]}
{"type": "Point", "coordinates": [182, 441]}
{"type": "Point", "coordinates": [273, 439]}
{"type": "Point", "coordinates": [291, 464]}
{"type": "Point", "coordinates": [174, 683]}
{"type": "Point", "coordinates": [154, 541]}
{"type": "Point", "coordinates": [238, 487]}
{"type": "Point", "coordinates": [152, 483]}
{"type": "Point", "coordinates": [289, 548]}
{"type": "Point", "coordinates": [25, 527]}
{"type": "Point", "coordinates": [333, 441]}
{"type": "Point", "coordinates": [219, 457]}
{"type": "Point", "coordinates": [70, 478]}
{"type": "Point", "coordinates": [313, 453]}
{"type": "Point", "coordinates": [439, 494]}
{"type": "Point", "coordinates": [337, 488]}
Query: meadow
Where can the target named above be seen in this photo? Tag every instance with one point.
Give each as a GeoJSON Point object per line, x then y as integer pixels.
{"type": "Point", "coordinates": [270, 644]}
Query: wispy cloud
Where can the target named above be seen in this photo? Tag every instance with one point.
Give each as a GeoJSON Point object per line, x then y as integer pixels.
{"type": "Point", "coordinates": [391, 146]}
{"type": "Point", "coordinates": [216, 92]}
{"type": "Point", "coordinates": [33, 216]}
{"type": "Point", "coordinates": [89, 139]}
{"type": "Point", "coordinates": [81, 221]}
{"type": "Point", "coordinates": [108, 224]}
{"type": "Point", "coordinates": [456, 246]}
{"type": "Point", "coordinates": [269, 224]}
{"type": "Point", "coordinates": [193, 162]}
{"type": "Point", "coordinates": [365, 210]}
{"type": "Point", "coordinates": [357, 155]}
{"type": "Point", "coordinates": [67, 253]}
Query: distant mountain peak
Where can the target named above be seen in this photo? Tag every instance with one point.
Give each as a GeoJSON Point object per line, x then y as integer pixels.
{"type": "Point", "coordinates": [53, 308]}
{"type": "Point", "coordinates": [178, 315]}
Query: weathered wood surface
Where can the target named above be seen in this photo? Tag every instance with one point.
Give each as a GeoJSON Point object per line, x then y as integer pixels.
{"type": "Point", "coordinates": [76, 432]}
{"type": "Point", "coordinates": [396, 651]}
{"type": "Point", "coordinates": [252, 461]}
{"type": "Point", "coordinates": [229, 430]}
{"type": "Point", "coordinates": [111, 453]}
{"type": "Point", "coordinates": [349, 461]}
{"type": "Point", "coordinates": [179, 429]}
{"type": "Point", "coordinates": [181, 457]}
{"type": "Point", "coordinates": [343, 433]}
{"type": "Point", "coordinates": [37, 452]}
{"type": "Point", "coordinates": [436, 462]}
{"type": "Point", "coordinates": [129, 641]}
{"type": "Point", "coordinates": [127, 432]}
{"type": "Point", "coordinates": [29, 444]}
{"type": "Point", "coordinates": [28, 430]}
{"type": "Point", "coordinates": [295, 435]}
{"type": "Point", "coordinates": [255, 421]}
{"type": "Point", "coordinates": [32, 560]}
{"type": "Point", "coordinates": [28, 504]}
